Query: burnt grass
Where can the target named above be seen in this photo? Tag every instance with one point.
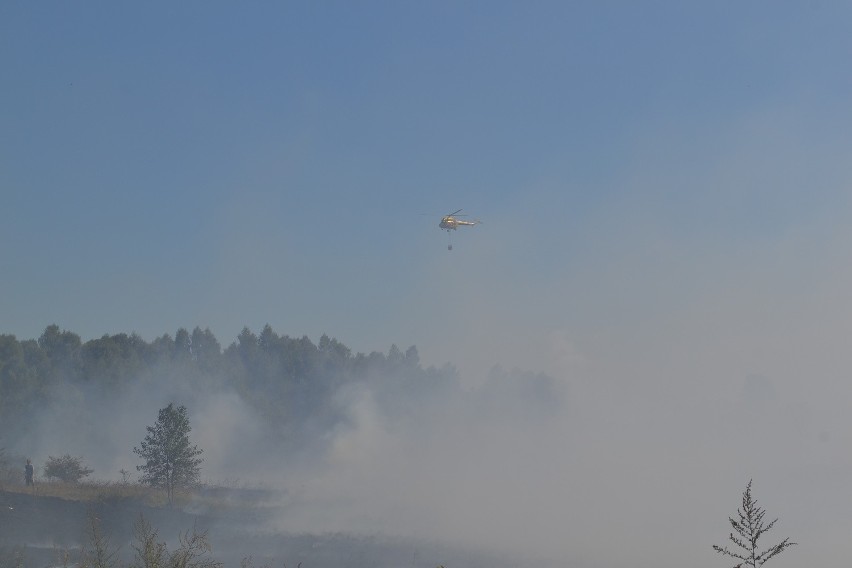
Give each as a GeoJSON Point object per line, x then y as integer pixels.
{"type": "Point", "coordinates": [36, 530]}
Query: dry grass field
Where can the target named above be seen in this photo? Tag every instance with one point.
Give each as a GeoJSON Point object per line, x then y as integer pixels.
{"type": "Point", "coordinates": [92, 491]}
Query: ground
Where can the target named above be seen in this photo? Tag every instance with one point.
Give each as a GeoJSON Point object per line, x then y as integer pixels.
{"type": "Point", "coordinates": [38, 529]}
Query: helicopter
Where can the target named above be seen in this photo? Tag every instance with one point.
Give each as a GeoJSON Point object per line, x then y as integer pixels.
{"type": "Point", "coordinates": [451, 222]}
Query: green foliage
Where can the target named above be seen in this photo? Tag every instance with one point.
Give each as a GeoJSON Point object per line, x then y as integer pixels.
{"type": "Point", "coordinates": [98, 552]}
{"type": "Point", "coordinates": [66, 468]}
{"type": "Point", "coordinates": [23, 376]}
{"type": "Point", "coordinates": [148, 552]}
{"type": "Point", "coordinates": [111, 360]}
{"type": "Point", "coordinates": [288, 381]}
{"type": "Point", "coordinates": [192, 552]}
{"type": "Point", "coordinates": [62, 349]}
{"type": "Point", "coordinates": [749, 528]}
{"type": "Point", "coordinates": [170, 460]}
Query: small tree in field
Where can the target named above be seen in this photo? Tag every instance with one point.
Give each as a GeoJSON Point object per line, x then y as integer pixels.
{"type": "Point", "coordinates": [170, 460]}
{"type": "Point", "coordinates": [749, 528]}
{"type": "Point", "coordinates": [192, 552]}
{"type": "Point", "coordinates": [99, 551]}
{"type": "Point", "coordinates": [66, 468]}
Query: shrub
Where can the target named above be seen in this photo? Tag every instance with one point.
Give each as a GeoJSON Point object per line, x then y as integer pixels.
{"type": "Point", "coordinates": [192, 552]}
{"type": "Point", "coordinates": [66, 468]}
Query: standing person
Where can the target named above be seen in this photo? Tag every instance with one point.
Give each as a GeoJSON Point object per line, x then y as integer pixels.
{"type": "Point", "coordinates": [28, 472]}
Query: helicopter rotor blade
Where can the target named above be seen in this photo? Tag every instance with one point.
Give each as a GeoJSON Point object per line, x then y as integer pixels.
{"type": "Point", "coordinates": [453, 213]}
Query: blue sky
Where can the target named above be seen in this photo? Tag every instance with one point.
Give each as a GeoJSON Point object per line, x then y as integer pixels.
{"type": "Point", "coordinates": [204, 164]}
{"type": "Point", "coordinates": [222, 166]}
{"type": "Point", "coordinates": [664, 189]}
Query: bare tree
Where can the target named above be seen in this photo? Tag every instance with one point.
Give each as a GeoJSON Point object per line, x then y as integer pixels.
{"type": "Point", "coordinates": [749, 528]}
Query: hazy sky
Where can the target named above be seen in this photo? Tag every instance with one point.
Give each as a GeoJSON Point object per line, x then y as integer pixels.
{"type": "Point", "coordinates": [664, 188]}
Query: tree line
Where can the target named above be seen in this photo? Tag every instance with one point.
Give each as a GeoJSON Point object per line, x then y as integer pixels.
{"type": "Point", "coordinates": [288, 381]}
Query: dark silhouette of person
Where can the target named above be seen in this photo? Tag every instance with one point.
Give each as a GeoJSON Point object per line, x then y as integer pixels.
{"type": "Point", "coordinates": [28, 473]}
